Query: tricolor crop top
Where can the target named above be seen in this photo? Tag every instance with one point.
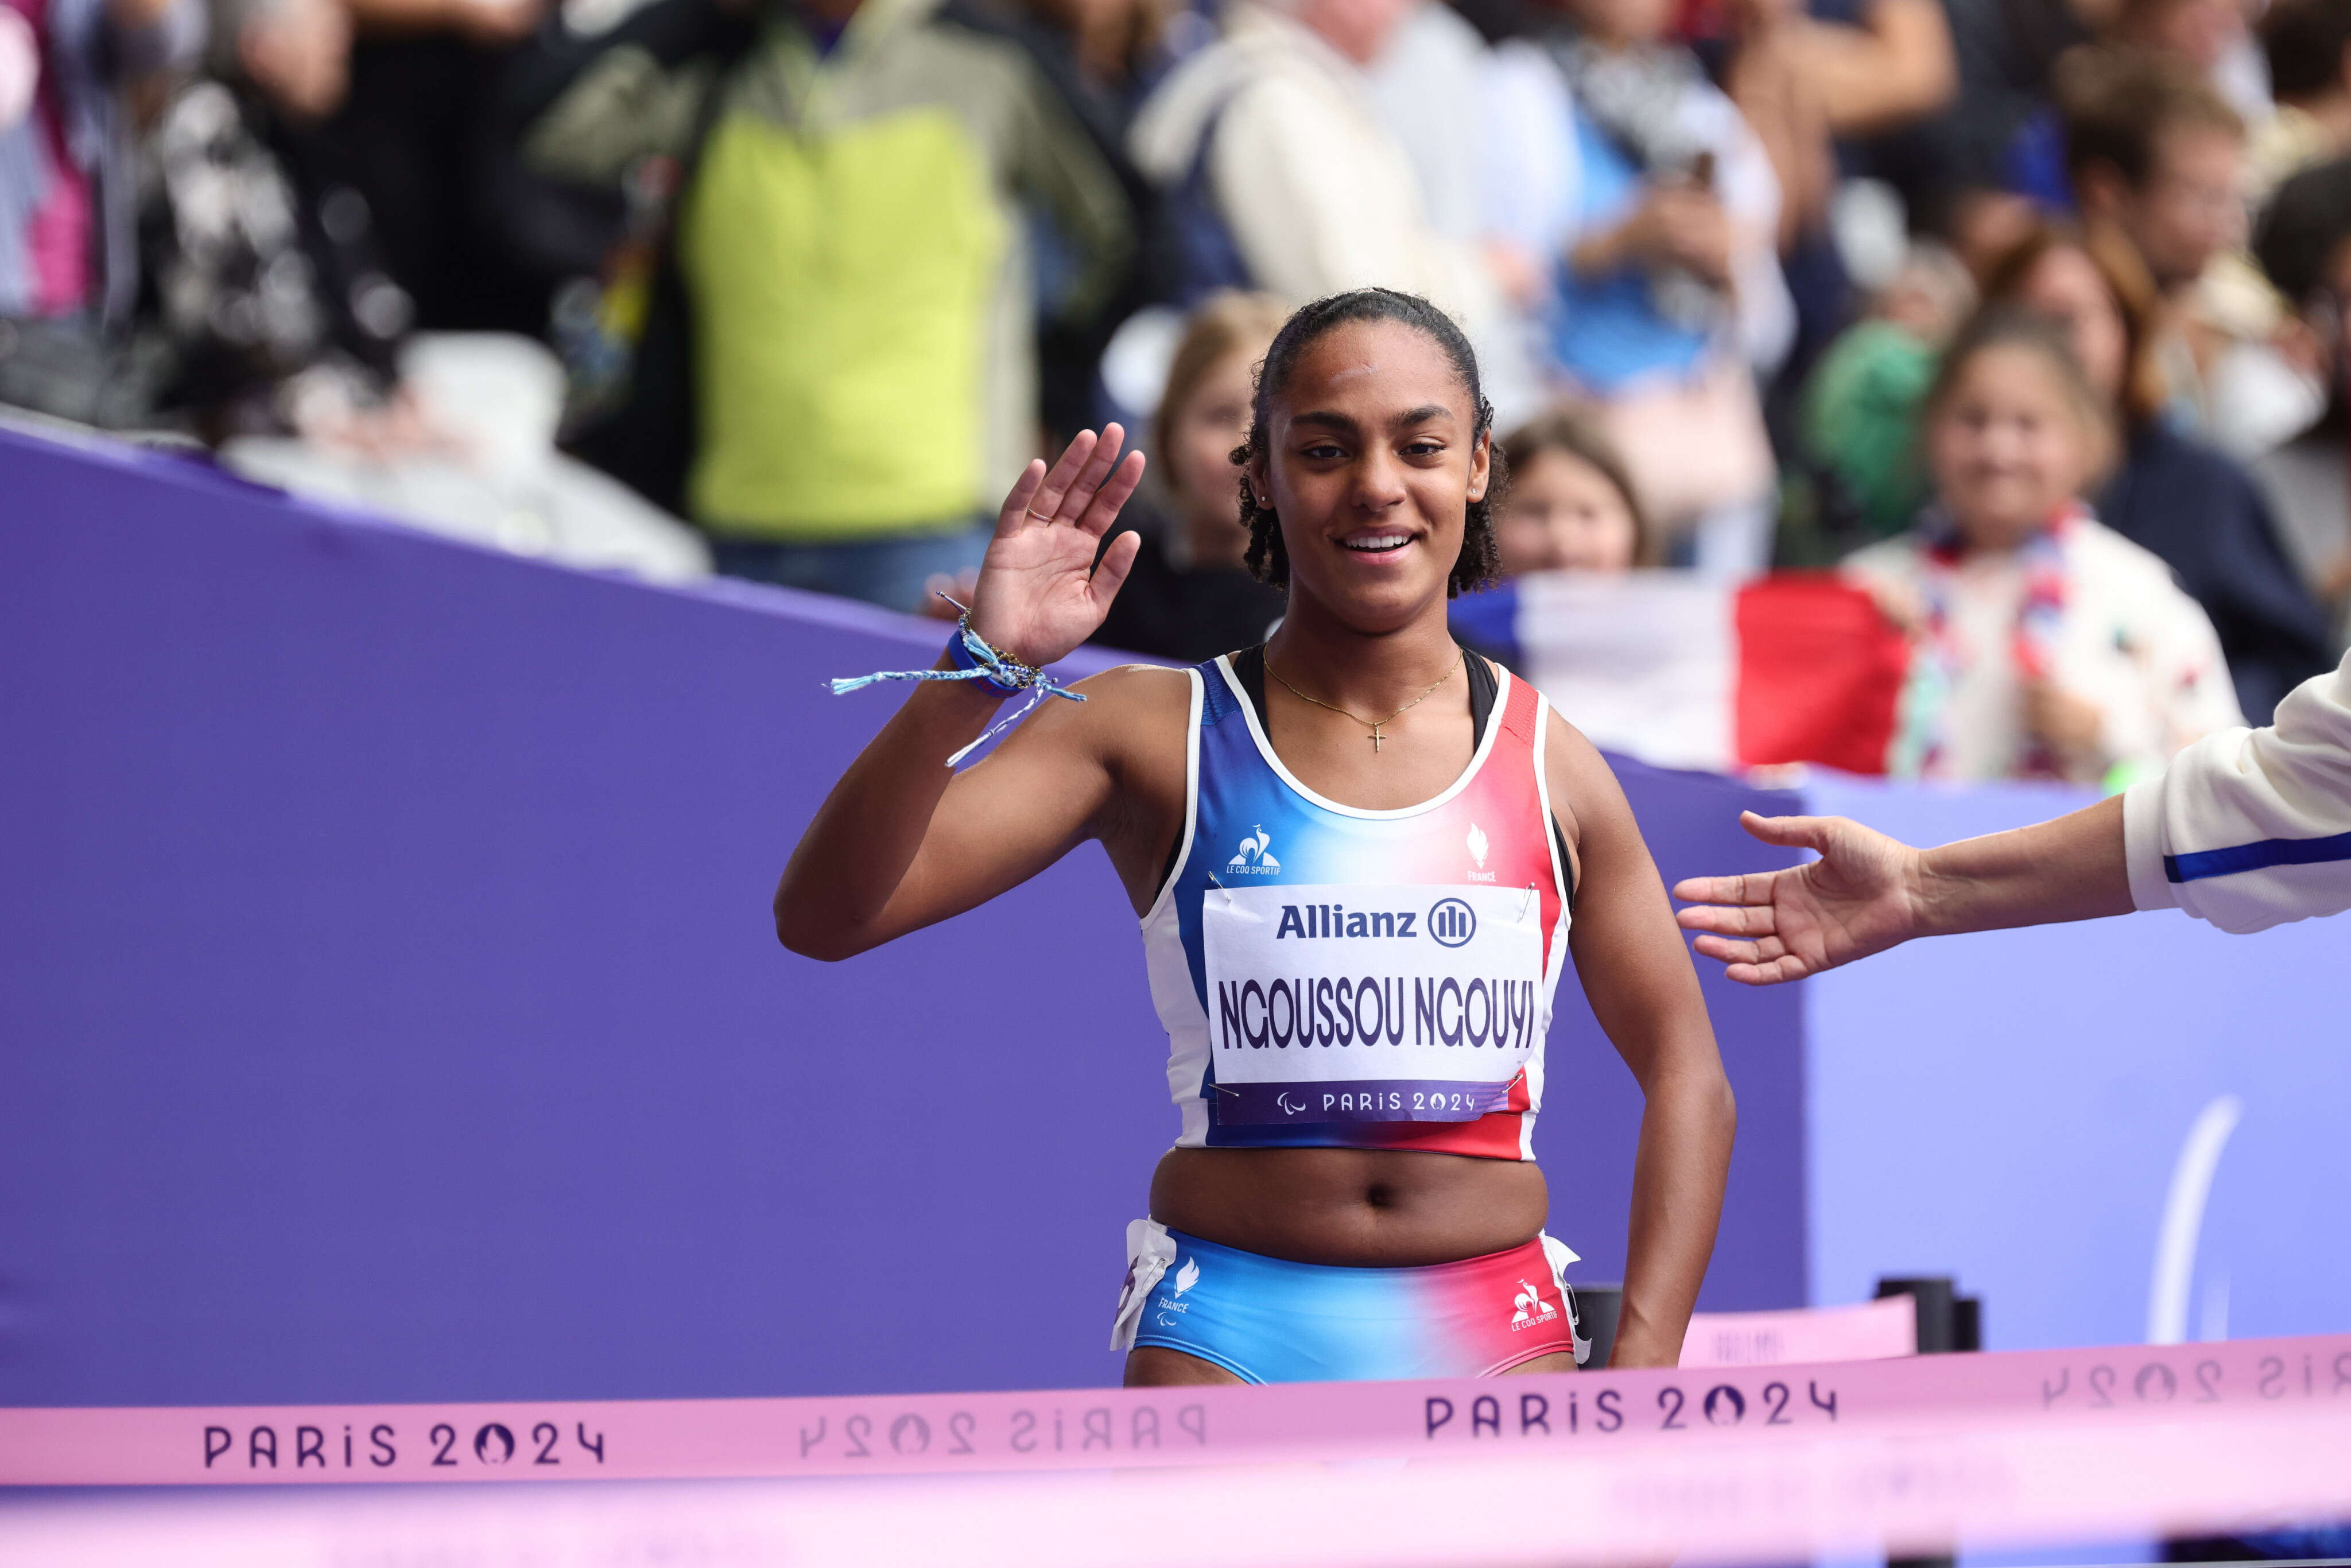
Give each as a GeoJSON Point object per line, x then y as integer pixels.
{"type": "Point", "coordinates": [1336, 978]}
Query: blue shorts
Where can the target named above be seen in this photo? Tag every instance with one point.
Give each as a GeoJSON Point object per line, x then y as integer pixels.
{"type": "Point", "coordinates": [1266, 1320]}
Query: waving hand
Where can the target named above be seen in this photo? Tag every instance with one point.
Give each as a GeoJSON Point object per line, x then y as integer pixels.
{"type": "Point", "coordinates": [1040, 592]}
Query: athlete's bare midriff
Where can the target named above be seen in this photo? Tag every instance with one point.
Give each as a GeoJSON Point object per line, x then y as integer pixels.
{"type": "Point", "coordinates": [1353, 1207]}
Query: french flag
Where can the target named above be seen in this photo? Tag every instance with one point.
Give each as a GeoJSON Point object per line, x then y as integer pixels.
{"type": "Point", "coordinates": [1687, 672]}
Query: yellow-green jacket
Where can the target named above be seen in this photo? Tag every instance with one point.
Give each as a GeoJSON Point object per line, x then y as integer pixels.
{"type": "Point", "coordinates": [855, 252]}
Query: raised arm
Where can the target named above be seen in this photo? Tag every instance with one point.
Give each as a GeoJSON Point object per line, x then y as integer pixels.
{"type": "Point", "coordinates": [1867, 892]}
{"type": "Point", "coordinates": [902, 842]}
{"type": "Point", "coordinates": [1645, 993]}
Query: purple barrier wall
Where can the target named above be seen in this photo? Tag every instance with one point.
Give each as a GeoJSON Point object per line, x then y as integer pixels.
{"type": "Point", "coordinates": [2015, 1106]}
{"type": "Point", "coordinates": [391, 1009]}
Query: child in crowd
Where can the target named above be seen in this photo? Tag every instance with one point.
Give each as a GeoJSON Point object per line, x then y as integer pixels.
{"type": "Point", "coordinates": [2047, 645]}
{"type": "Point", "coordinates": [1188, 596]}
{"type": "Point", "coordinates": [1567, 506]}
{"type": "Point", "coordinates": [1570, 505]}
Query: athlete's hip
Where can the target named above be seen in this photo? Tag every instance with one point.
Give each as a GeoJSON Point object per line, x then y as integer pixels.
{"type": "Point", "coordinates": [1351, 1207]}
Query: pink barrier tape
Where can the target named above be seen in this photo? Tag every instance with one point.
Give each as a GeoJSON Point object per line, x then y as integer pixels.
{"type": "Point", "coordinates": [1106, 1428]}
{"type": "Point", "coordinates": [1873, 1330]}
{"type": "Point", "coordinates": [1977, 1483]}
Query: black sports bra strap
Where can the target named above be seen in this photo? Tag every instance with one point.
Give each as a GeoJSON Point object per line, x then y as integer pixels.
{"type": "Point", "coordinates": [1248, 666]}
{"type": "Point", "coordinates": [1485, 690]}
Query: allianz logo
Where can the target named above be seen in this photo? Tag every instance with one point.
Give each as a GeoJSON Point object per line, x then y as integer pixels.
{"type": "Point", "coordinates": [1450, 922]}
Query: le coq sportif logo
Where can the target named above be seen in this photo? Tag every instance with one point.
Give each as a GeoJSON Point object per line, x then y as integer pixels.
{"type": "Point", "coordinates": [1255, 855]}
{"type": "Point", "coordinates": [1531, 1308]}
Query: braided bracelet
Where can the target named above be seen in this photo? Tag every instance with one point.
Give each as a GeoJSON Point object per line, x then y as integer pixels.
{"type": "Point", "coordinates": [975, 659]}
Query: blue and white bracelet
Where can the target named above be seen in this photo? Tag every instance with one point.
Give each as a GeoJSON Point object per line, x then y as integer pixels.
{"type": "Point", "coordinates": [975, 659]}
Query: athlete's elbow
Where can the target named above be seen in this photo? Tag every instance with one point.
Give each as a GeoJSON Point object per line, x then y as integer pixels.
{"type": "Point", "coordinates": [826, 941]}
{"type": "Point", "coordinates": [815, 944]}
{"type": "Point", "coordinates": [1703, 1098]}
{"type": "Point", "coordinates": [826, 944]}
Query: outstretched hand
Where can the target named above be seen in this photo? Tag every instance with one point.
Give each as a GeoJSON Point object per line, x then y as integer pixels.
{"type": "Point", "coordinates": [1860, 897]}
{"type": "Point", "coordinates": [1040, 592]}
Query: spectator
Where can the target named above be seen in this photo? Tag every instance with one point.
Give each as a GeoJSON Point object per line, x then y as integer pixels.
{"type": "Point", "coordinates": [1424, 85]}
{"type": "Point", "coordinates": [1569, 505]}
{"type": "Point", "coordinates": [409, 139]}
{"type": "Point", "coordinates": [1857, 431]}
{"type": "Point", "coordinates": [2154, 155]}
{"type": "Point", "coordinates": [2155, 159]}
{"type": "Point", "coordinates": [1188, 597]}
{"type": "Point", "coordinates": [1807, 80]}
{"type": "Point", "coordinates": [69, 265]}
{"type": "Point", "coordinates": [1117, 46]}
{"type": "Point", "coordinates": [291, 348]}
{"type": "Point", "coordinates": [2211, 37]}
{"type": "Point", "coordinates": [1097, 58]}
{"type": "Point", "coordinates": [1648, 210]}
{"type": "Point", "coordinates": [856, 280]}
{"type": "Point", "coordinates": [2308, 45]}
{"type": "Point", "coordinates": [2046, 645]}
{"type": "Point", "coordinates": [277, 309]}
{"type": "Point", "coordinates": [2192, 505]}
{"type": "Point", "coordinates": [2202, 42]}
{"type": "Point", "coordinates": [2005, 51]}
{"type": "Point", "coordinates": [2305, 245]}
{"type": "Point", "coordinates": [1280, 175]}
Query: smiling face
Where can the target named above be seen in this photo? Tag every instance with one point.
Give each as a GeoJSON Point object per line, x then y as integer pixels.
{"type": "Point", "coordinates": [2010, 445]}
{"type": "Point", "coordinates": [1371, 464]}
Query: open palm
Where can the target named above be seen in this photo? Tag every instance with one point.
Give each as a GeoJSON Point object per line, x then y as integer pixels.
{"type": "Point", "coordinates": [1860, 897]}
{"type": "Point", "coordinates": [1040, 592]}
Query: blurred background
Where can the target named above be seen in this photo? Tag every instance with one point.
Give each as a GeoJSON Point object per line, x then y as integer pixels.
{"type": "Point", "coordinates": [410, 410]}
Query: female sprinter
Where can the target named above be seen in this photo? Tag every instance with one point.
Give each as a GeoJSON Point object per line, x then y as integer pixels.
{"type": "Point", "coordinates": [1354, 852]}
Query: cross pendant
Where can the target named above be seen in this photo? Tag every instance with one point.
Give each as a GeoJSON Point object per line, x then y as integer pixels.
{"type": "Point", "coordinates": [1375, 737]}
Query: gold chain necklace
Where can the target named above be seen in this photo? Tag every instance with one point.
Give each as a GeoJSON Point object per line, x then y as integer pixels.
{"type": "Point", "coordinates": [1375, 723]}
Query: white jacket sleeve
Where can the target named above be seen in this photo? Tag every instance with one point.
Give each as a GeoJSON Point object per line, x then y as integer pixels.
{"type": "Point", "coordinates": [2251, 828]}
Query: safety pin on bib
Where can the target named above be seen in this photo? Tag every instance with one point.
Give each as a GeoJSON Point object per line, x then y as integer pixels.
{"type": "Point", "coordinates": [1527, 900]}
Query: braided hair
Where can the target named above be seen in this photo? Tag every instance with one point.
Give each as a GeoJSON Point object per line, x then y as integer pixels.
{"type": "Point", "coordinates": [1268, 560]}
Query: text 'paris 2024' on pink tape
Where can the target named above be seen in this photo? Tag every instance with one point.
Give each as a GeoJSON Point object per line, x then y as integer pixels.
{"type": "Point", "coordinates": [1079, 1429]}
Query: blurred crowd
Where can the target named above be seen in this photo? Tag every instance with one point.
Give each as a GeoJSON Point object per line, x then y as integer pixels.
{"type": "Point", "coordinates": [2027, 316]}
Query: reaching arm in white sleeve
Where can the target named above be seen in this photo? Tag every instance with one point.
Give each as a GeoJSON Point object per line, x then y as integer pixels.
{"type": "Point", "coordinates": [2251, 828]}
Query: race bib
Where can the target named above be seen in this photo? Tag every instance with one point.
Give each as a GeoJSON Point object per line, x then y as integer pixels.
{"type": "Point", "coordinates": [1371, 1004]}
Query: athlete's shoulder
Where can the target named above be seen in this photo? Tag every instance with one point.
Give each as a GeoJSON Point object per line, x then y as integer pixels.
{"type": "Point", "coordinates": [1134, 704]}
{"type": "Point", "coordinates": [1138, 686]}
